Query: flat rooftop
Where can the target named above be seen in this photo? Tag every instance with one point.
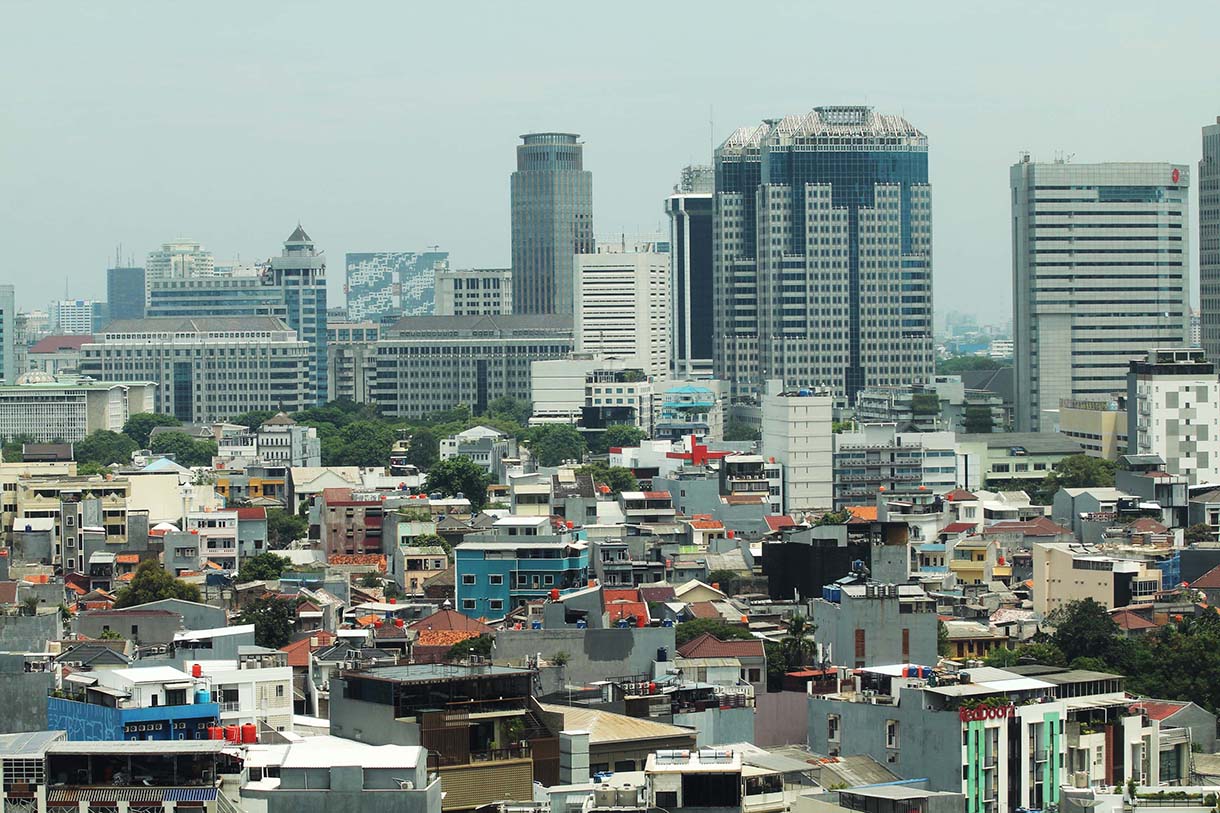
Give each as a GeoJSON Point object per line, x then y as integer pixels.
{"type": "Point", "coordinates": [418, 672]}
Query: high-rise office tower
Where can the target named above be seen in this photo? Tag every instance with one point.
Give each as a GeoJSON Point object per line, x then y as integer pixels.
{"type": "Point", "coordinates": [690, 246]}
{"type": "Point", "coordinates": [77, 317]}
{"type": "Point", "coordinates": [1173, 409]}
{"type": "Point", "coordinates": [552, 216]}
{"type": "Point", "coordinates": [392, 284]}
{"type": "Point", "coordinates": [474, 292]}
{"type": "Point", "coordinates": [622, 304]}
{"type": "Point", "coordinates": [300, 272]}
{"type": "Point", "coordinates": [822, 252]}
{"type": "Point", "coordinates": [179, 258]}
{"type": "Point", "coordinates": [1209, 241]}
{"type": "Point", "coordinates": [1100, 277]}
{"type": "Point", "coordinates": [8, 335]}
{"type": "Point", "coordinates": [125, 292]}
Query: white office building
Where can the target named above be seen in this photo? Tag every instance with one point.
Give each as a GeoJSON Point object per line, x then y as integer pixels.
{"type": "Point", "coordinates": [66, 409]}
{"type": "Point", "coordinates": [179, 259]}
{"type": "Point", "coordinates": [622, 306]}
{"type": "Point", "coordinates": [474, 292]}
{"type": "Point", "coordinates": [1173, 410]}
{"type": "Point", "coordinates": [796, 431]}
{"type": "Point", "coordinates": [206, 369]}
{"type": "Point", "coordinates": [1101, 276]}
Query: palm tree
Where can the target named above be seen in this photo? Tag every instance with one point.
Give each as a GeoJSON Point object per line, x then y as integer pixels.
{"type": "Point", "coordinates": [797, 645]}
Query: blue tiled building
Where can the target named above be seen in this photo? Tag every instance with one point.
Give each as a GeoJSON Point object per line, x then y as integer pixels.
{"type": "Point", "coordinates": [520, 559]}
{"type": "Point", "coordinates": [151, 703]}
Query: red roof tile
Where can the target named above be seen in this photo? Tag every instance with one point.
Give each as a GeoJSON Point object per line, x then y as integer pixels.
{"type": "Point", "coordinates": [709, 646]}
{"type": "Point", "coordinates": [298, 651]}
{"type": "Point", "coordinates": [251, 513]}
{"type": "Point", "coordinates": [959, 495]}
{"type": "Point", "coordinates": [1039, 526]}
{"type": "Point", "coordinates": [703, 609]}
{"type": "Point", "coordinates": [444, 637]}
{"type": "Point", "coordinates": [448, 620]}
{"type": "Point", "coordinates": [958, 527]}
{"type": "Point", "coordinates": [1130, 621]}
{"type": "Point", "coordinates": [661, 593]}
{"type": "Point", "coordinates": [1147, 525]}
{"type": "Point", "coordinates": [127, 558]}
{"type": "Point", "coordinates": [1158, 709]}
{"type": "Point", "coordinates": [707, 525]}
{"type": "Point", "coordinates": [611, 594]}
{"type": "Point", "coordinates": [53, 343]}
{"type": "Point", "coordinates": [777, 521]}
{"type": "Point", "coordinates": [619, 610]}
{"type": "Point", "coordinates": [358, 560]}
{"type": "Point", "coordinates": [1209, 580]}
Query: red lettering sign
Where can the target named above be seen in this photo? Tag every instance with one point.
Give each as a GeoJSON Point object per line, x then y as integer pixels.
{"type": "Point", "coordinates": [986, 713]}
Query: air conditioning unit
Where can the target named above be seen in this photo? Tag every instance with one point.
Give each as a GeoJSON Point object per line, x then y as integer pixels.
{"type": "Point", "coordinates": [405, 784]}
{"type": "Point", "coordinates": [1080, 779]}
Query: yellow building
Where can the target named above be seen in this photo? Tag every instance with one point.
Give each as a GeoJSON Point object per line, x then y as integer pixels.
{"type": "Point", "coordinates": [1100, 427]}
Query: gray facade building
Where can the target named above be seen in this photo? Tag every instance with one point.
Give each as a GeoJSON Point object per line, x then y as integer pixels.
{"type": "Point", "coordinates": [429, 363]}
{"type": "Point", "coordinates": [474, 292]}
{"type": "Point", "coordinates": [1100, 276]}
{"type": "Point", "coordinates": [300, 272]}
{"type": "Point", "coordinates": [690, 245]}
{"type": "Point", "coordinates": [214, 296]}
{"type": "Point", "coordinates": [8, 335]}
{"type": "Point", "coordinates": [822, 252]}
{"type": "Point", "coordinates": [870, 624]}
{"type": "Point", "coordinates": [1209, 241]}
{"type": "Point", "coordinates": [552, 221]}
{"type": "Point", "coordinates": [125, 292]}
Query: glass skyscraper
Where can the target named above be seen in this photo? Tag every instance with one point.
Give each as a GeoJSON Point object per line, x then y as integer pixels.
{"type": "Point", "coordinates": [822, 252]}
{"type": "Point", "coordinates": [125, 292]}
{"type": "Point", "coordinates": [552, 217]}
{"type": "Point", "coordinates": [1209, 242]}
{"type": "Point", "coordinates": [300, 273]}
{"type": "Point", "coordinates": [389, 284]}
{"type": "Point", "coordinates": [690, 231]}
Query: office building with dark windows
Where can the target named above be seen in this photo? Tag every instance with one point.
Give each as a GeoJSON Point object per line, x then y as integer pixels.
{"type": "Point", "coordinates": [552, 221]}
{"type": "Point", "coordinates": [125, 293]}
{"type": "Point", "coordinates": [1101, 276]}
{"type": "Point", "coordinates": [822, 252]}
{"type": "Point", "coordinates": [300, 273]}
{"type": "Point", "coordinates": [690, 245]}
{"type": "Point", "coordinates": [425, 364]}
{"type": "Point", "coordinates": [389, 284]}
{"type": "Point", "coordinates": [1209, 241]}
{"type": "Point", "coordinates": [206, 369]}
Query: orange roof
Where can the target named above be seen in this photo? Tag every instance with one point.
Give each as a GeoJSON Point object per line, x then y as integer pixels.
{"type": "Point", "coordinates": [76, 588]}
{"type": "Point", "coordinates": [298, 651]}
{"type": "Point", "coordinates": [446, 620]}
{"type": "Point", "coordinates": [611, 594]}
{"type": "Point", "coordinates": [868, 512]}
{"type": "Point", "coordinates": [1130, 621]}
{"type": "Point", "coordinates": [707, 524]}
{"type": "Point", "coordinates": [703, 609]}
{"type": "Point", "coordinates": [619, 610]}
{"type": "Point", "coordinates": [777, 521]}
{"type": "Point", "coordinates": [358, 559]}
{"type": "Point", "coordinates": [709, 646]}
{"type": "Point", "coordinates": [128, 558]}
{"type": "Point", "coordinates": [701, 516]}
{"type": "Point", "coordinates": [1158, 709]}
{"type": "Point", "coordinates": [365, 620]}
{"type": "Point", "coordinates": [37, 578]}
{"type": "Point", "coordinates": [444, 637]}
{"type": "Point", "coordinates": [126, 577]}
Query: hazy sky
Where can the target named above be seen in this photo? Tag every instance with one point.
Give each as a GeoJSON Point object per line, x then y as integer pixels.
{"type": "Point", "coordinates": [391, 126]}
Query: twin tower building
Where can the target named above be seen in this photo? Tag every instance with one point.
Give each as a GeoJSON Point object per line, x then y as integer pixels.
{"type": "Point", "coordinates": [804, 254]}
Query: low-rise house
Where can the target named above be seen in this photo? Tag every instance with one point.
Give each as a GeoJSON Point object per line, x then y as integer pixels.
{"type": "Point", "coordinates": [750, 654]}
{"type": "Point", "coordinates": [147, 703]}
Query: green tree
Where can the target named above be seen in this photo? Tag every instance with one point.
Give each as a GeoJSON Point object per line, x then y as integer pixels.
{"type": "Point", "coordinates": [139, 426]}
{"type": "Point", "coordinates": [978, 420]}
{"type": "Point", "coordinates": [424, 449]}
{"type": "Point", "coordinates": [943, 647]}
{"type": "Point", "coordinates": [615, 436]}
{"type": "Point", "coordinates": [729, 580]}
{"type": "Point", "coordinates": [479, 645]}
{"type": "Point", "coordinates": [797, 645]}
{"type": "Point", "coordinates": [1197, 533]}
{"type": "Point", "coordinates": [13, 447]}
{"type": "Point", "coordinates": [510, 409]}
{"type": "Point", "coordinates": [965, 364]}
{"type": "Point", "coordinates": [370, 580]}
{"type": "Point", "coordinates": [738, 431]}
{"type": "Point", "coordinates": [459, 475]}
{"type": "Point", "coordinates": [839, 517]}
{"type": "Point", "coordinates": [265, 566]}
{"type": "Point", "coordinates": [187, 451]}
{"type": "Point", "coordinates": [924, 404]}
{"type": "Point", "coordinates": [690, 630]}
{"type": "Point", "coordinates": [253, 419]}
{"type": "Point", "coordinates": [433, 541]}
{"type": "Point", "coordinates": [359, 443]}
{"type": "Point", "coordinates": [103, 447]}
{"type": "Point", "coordinates": [272, 618]}
{"type": "Point", "coordinates": [618, 478]}
{"type": "Point", "coordinates": [90, 468]}
{"type": "Point", "coordinates": [284, 528]}
{"type": "Point", "coordinates": [556, 443]}
{"type": "Point", "coordinates": [153, 583]}
{"type": "Point", "coordinates": [1082, 471]}
{"type": "Point", "coordinates": [1083, 628]}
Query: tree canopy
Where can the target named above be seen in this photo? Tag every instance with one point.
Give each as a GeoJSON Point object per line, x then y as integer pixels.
{"type": "Point", "coordinates": [736, 431]}
{"type": "Point", "coordinates": [459, 475]}
{"type": "Point", "coordinates": [424, 449]}
{"type": "Point", "coordinates": [272, 618]}
{"type": "Point", "coordinates": [140, 425]}
{"type": "Point", "coordinates": [265, 566]}
{"type": "Point", "coordinates": [284, 528]}
{"type": "Point", "coordinates": [618, 478]}
{"type": "Point", "coordinates": [615, 437]}
{"type": "Point", "coordinates": [556, 443]}
{"type": "Point", "coordinates": [966, 364]}
{"type": "Point", "coordinates": [509, 409]}
{"type": "Point", "coordinates": [187, 451]}
{"type": "Point", "coordinates": [152, 582]}
{"type": "Point", "coordinates": [103, 447]}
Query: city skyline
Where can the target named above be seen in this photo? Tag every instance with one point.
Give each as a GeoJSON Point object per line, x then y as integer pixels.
{"type": "Point", "coordinates": [367, 189]}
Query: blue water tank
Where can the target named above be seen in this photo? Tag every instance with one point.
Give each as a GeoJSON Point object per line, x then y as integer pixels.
{"type": "Point", "coordinates": [582, 624]}
{"type": "Point", "coordinates": [535, 625]}
{"type": "Point", "coordinates": [203, 696]}
{"type": "Point", "coordinates": [667, 622]}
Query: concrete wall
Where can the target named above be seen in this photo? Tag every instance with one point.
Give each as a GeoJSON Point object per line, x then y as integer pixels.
{"type": "Point", "coordinates": [343, 799]}
{"type": "Point", "coordinates": [720, 726]}
{"type": "Point", "coordinates": [930, 742]}
{"type": "Point", "coordinates": [372, 723]}
{"type": "Point", "coordinates": [592, 654]}
{"type": "Point", "coordinates": [882, 623]}
{"type": "Point", "coordinates": [24, 633]}
{"type": "Point", "coordinates": [195, 616]}
{"type": "Point", "coordinates": [153, 630]}
{"type": "Point", "coordinates": [780, 718]}
{"type": "Point", "coordinates": [24, 694]}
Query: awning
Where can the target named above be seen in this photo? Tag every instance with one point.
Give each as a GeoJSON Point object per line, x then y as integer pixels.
{"type": "Point", "coordinates": [87, 680]}
{"type": "Point", "coordinates": [180, 684]}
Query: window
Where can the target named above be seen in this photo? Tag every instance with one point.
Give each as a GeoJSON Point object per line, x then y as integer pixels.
{"type": "Point", "coordinates": [624, 765]}
{"type": "Point", "coordinates": [906, 644]}
{"type": "Point", "coordinates": [467, 604]}
{"type": "Point", "coordinates": [467, 578]}
{"type": "Point", "coordinates": [496, 604]}
{"type": "Point", "coordinates": [832, 727]}
{"type": "Point", "coordinates": [495, 579]}
{"type": "Point", "coordinates": [755, 675]}
{"type": "Point", "coordinates": [891, 733]}
{"type": "Point", "coordinates": [279, 690]}
{"type": "Point", "coordinates": [859, 643]}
